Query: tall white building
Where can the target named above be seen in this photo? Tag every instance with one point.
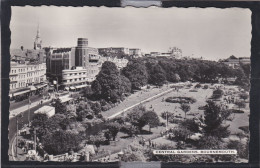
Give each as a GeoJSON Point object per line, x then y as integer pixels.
{"type": "Point", "coordinates": [22, 76]}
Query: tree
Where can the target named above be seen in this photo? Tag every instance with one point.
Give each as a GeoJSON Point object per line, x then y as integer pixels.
{"type": "Point", "coordinates": [244, 96]}
{"type": "Point", "coordinates": [135, 117]}
{"type": "Point", "coordinates": [96, 107]}
{"type": "Point", "coordinates": [129, 130]}
{"type": "Point", "coordinates": [217, 94]}
{"type": "Point", "coordinates": [240, 104]}
{"type": "Point", "coordinates": [59, 107]}
{"type": "Point", "coordinates": [125, 84]}
{"type": "Point", "coordinates": [136, 72]}
{"type": "Point", "coordinates": [185, 108]}
{"type": "Point", "coordinates": [191, 125]}
{"type": "Point", "coordinates": [150, 118]}
{"type": "Point", "coordinates": [85, 109]}
{"type": "Point", "coordinates": [87, 91]}
{"type": "Point", "coordinates": [157, 75]}
{"type": "Point", "coordinates": [210, 142]}
{"type": "Point", "coordinates": [109, 84]}
{"type": "Point", "coordinates": [113, 128]}
{"type": "Point", "coordinates": [97, 139]}
{"type": "Point", "coordinates": [213, 121]}
{"type": "Point", "coordinates": [60, 141]}
{"type": "Point", "coordinates": [39, 122]}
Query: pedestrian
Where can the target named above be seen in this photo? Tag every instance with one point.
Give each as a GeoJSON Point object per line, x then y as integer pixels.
{"type": "Point", "coordinates": [149, 142]}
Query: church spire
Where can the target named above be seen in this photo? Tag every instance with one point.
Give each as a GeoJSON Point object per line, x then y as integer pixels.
{"type": "Point", "coordinates": [38, 31]}
{"type": "Point", "coordinates": [38, 41]}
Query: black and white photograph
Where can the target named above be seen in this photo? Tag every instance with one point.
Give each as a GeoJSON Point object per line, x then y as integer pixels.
{"type": "Point", "coordinates": [100, 84]}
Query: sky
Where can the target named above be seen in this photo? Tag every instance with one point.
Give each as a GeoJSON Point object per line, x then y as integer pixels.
{"type": "Point", "coordinates": [210, 33]}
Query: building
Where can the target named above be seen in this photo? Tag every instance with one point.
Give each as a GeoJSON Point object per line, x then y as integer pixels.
{"type": "Point", "coordinates": [175, 52]}
{"type": "Point", "coordinates": [164, 55]}
{"type": "Point", "coordinates": [22, 76]}
{"type": "Point", "coordinates": [154, 54]}
{"type": "Point", "coordinates": [113, 51]}
{"type": "Point", "coordinates": [244, 60]}
{"type": "Point", "coordinates": [38, 54]}
{"type": "Point", "coordinates": [235, 62]}
{"type": "Point", "coordinates": [66, 58]}
{"type": "Point", "coordinates": [60, 59]}
{"type": "Point", "coordinates": [120, 62]}
{"type": "Point", "coordinates": [77, 78]}
{"type": "Point", "coordinates": [136, 52]}
{"type": "Point", "coordinates": [37, 42]}
{"type": "Point", "coordinates": [48, 110]}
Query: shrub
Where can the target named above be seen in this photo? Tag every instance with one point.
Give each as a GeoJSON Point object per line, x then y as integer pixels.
{"type": "Point", "coordinates": [180, 100]}
{"type": "Point", "coordinates": [244, 128]}
{"type": "Point", "coordinates": [237, 111]}
{"type": "Point", "coordinates": [106, 107]}
{"type": "Point", "coordinates": [201, 107]}
{"type": "Point", "coordinates": [217, 94]}
{"type": "Point", "coordinates": [175, 121]}
{"type": "Point", "coordinates": [198, 86]}
{"type": "Point", "coordinates": [205, 86]}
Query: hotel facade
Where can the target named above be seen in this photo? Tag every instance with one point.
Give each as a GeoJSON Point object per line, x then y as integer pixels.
{"type": "Point", "coordinates": [26, 77]}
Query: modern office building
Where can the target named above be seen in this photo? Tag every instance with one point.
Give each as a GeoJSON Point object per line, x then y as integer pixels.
{"type": "Point", "coordinates": [76, 78]}
{"type": "Point", "coordinates": [60, 59]}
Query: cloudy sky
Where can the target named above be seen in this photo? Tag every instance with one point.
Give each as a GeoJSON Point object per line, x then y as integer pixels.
{"type": "Point", "coordinates": [211, 33]}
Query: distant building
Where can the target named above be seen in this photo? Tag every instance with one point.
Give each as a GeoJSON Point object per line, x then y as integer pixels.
{"type": "Point", "coordinates": [235, 62]}
{"type": "Point", "coordinates": [120, 63]}
{"type": "Point", "coordinates": [244, 60]}
{"type": "Point", "coordinates": [154, 54]}
{"type": "Point", "coordinates": [112, 51]}
{"type": "Point", "coordinates": [136, 52]}
{"type": "Point", "coordinates": [175, 52]}
{"type": "Point", "coordinates": [37, 42]}
{"type": "Point", "coordinates": [22, 76]}
{"type": "Point", "coordinates": [37, 54]}
{"type": "Point", "coordinates": [164, 55]}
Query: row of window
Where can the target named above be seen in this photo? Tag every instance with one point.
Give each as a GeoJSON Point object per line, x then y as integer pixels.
{"type": "Point", "coordinates": [23, 69]}
{"type": "Point", "coordinates": [75, 80]}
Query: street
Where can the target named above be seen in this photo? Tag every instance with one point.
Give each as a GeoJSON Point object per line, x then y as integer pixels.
{"type": "Point", "coordinates": [23, 119]}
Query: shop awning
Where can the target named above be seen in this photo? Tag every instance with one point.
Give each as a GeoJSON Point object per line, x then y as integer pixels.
{"type": "Point", "coordinates": [81, 86]}
{"type": "Point", "coordinates": [41, 86]}
{"type": "Point", "coordinates": [19, 93]}
{"type": "Point", "coordinates": [65, 99]}
{"type": "Point", "coordinates": [67, 88]}
{"type": "Point", "coordinates": [33, 88]}
{"type": "Point", "coordinates": [72, 87]}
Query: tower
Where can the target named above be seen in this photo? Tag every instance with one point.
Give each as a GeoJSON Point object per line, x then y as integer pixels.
{"type": "Point", "coordinates": [81, 53]}
{"type": "Point", "coordinates": [37, 41]}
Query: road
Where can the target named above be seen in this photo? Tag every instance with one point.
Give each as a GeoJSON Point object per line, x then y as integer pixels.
{"type": "Point", "coordinates": [23, 119]}
{"type": "Point", "coordinates": [16, 105]}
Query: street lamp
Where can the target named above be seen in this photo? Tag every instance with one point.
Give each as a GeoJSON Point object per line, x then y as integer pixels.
{"type": "Point", "coordinates": [29, 108]}
{"type": "Point", "coordinates": [17, 124]}
{"type": "Point", "coordinates": [57, 82]}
